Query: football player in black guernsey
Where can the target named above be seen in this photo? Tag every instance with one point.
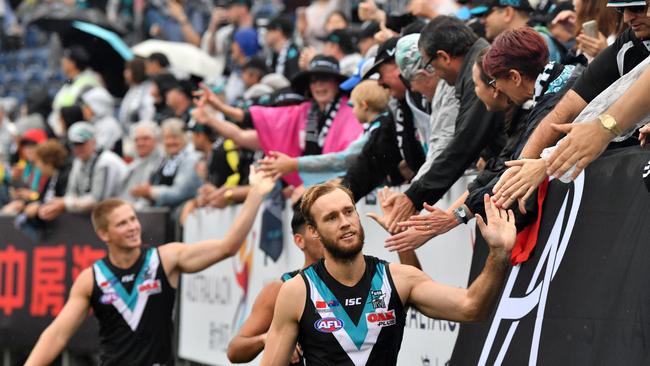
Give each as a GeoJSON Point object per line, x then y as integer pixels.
{"type": "Point", "coordinates": [132, 290]}
{"type": "Point", "coordinates": [349, 309]}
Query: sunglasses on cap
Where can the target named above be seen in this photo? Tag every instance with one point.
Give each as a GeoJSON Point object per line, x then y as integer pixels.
{"type": "Point", "coordinates": [636, 9]}
{"type": "Point", "coordinates": [428, 67]}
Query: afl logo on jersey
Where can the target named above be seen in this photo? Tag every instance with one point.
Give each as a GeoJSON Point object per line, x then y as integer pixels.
{"type": "Point", "coordinates": [328, 325]}
{"type": "Point", "coordinates": [108, 298]}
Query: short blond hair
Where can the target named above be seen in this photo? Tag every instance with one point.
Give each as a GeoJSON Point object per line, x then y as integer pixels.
{"type": "Point", "coordinates": [99, 216]}
{"type": "Point", "coordinates": [369, 91]}
{"type": "Point", "coordinates": [315, 192]}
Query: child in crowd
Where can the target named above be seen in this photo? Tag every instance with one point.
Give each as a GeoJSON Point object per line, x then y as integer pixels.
{"type": "Point", "coordinates": [369, 100]}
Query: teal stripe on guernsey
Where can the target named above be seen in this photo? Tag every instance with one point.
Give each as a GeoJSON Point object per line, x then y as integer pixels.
{"type": "Point", "coordinates": [130, 299]}
{"type": "Point", "coordinates": [356, 332]}
{"type": "Point", "coordinates": [286, 277]}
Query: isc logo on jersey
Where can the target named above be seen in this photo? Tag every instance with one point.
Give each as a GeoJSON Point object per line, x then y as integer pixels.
{"type": "Point", "coordinates": [328, 325]}
{"type": "Point", "coordinates": [382, 319]}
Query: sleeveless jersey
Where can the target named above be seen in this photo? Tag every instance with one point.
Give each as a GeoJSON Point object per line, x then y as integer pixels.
{"type": "Point", "coordinates": [134, 308]}
{"type": "Point", "coordinates": [286, 277]}
{"type": "Point", "coordinates": [289, 275]}
{"type": "Point", "coordinates": [359, 325]}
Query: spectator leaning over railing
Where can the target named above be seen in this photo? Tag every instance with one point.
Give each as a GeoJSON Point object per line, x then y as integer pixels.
{"type": "Point", "coordinates": [146, 138]}
{"type": "Point", "coordinates": [611, 64]}
{"type": "Point", "coordinates": [451, 47]}
{"type": "Point", "coordinates": [175, 181]}
{"type": "Point", "coordinates": [393, 154]}
{"type": "Point", "coordinates": [422, 79]}
{"type": "Point", "coordinates": [518, 64]}
{"type": "Point", "coordinates": [96, 175]}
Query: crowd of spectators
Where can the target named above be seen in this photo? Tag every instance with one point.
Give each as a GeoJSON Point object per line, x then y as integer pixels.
{"type": "Point", "coordinates": [367, 94]}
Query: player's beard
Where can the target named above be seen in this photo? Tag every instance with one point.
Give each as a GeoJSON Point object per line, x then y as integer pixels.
{"type": "Point", "coordinates": [344, 253]}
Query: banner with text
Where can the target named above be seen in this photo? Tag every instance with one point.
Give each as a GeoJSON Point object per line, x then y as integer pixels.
{"type": "Point", "coordinates": [582, 297]}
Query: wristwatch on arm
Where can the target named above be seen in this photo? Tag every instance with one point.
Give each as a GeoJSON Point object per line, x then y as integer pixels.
{"type": "Point", "coordinates": [609, 123]}
{"type": "Point", "coordinates": [462, 215]}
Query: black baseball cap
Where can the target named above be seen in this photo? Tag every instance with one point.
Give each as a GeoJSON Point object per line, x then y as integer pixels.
{"type": "Point", "coordinates": [281, 23]}
{"type": "Point", "coordinates": [385, 53]}
{"type": "Point", "coordinates": [368, 30]}
{"type": "Point", "coordinates": [342, 38]}
{"type": "Point", "coordinates": [485, 6]}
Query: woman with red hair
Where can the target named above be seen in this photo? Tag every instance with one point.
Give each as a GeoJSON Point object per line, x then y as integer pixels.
{"type": "Point", "coordinates": [517, 64]}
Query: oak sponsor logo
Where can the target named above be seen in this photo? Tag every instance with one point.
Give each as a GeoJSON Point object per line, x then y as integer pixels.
{"type": "Point", "coordinates": [382, 319]}
{"type": "Point", "coordinates": [328, 325]}
{"type": "Point", "coordinates": [151, 287]}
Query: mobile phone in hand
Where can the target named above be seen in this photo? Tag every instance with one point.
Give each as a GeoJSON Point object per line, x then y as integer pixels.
{"type": "Point", "coordinates": [590, 28]}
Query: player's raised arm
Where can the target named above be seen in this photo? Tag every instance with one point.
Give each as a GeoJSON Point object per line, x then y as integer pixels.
{"type": "Point", "coordinates": [56, 335]}
{"type": "Point", "coordinates": [200, 255]}
{"type": "Point", "coordinates": [475, 303]}
{"type": "Point", "coordinates": [283, 335]}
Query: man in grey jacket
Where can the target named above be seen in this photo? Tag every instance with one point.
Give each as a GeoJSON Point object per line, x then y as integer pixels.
{"type": "Point", "coordinates": [146, 137]}
{"type": "Point", "coordinates": [175, 180]}
{"type": "Point", "coordinates": [95, 175]}
{"type": "Point", "coordinates": [451, 48]}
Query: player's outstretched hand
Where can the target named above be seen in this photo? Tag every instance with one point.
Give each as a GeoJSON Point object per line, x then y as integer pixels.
{"type": "Point", "coordinates": [500, 232]}
{"type": "Point", "coordinates": [261, 182]}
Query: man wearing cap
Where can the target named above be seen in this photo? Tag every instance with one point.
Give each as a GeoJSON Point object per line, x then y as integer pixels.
{"type": "Point", "coordinates": [95, 175]}
{"type": "Point", "coordinates": [398, 122]}
{"type": "Point", "coordinates": [629, 49]}
{"type": "Point", "coordinates": [365, 36]}
{"type": "Point", "coordinates": [339, 45]}
{"type": "Point", "coordinates": [284, 55]}
{"type": "Point", "coordinates": [451, 48]}
{"type": "Point", "coordinates": [502, 15]}
{"type": "Point", "coordinates": [438, 128]}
